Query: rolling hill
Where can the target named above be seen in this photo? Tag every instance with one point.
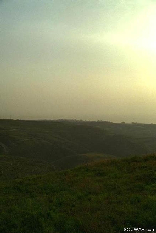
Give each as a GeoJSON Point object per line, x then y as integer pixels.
{"type": "Point", "coordinates": [101, 187]}
{"type": "Point", "coordinates": [67, 144]}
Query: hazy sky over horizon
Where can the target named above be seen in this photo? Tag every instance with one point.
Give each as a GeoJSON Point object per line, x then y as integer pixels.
{"type": "Point", "coordinates": [84, 59]}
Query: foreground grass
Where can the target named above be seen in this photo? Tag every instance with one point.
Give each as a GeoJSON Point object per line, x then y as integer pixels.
{"type": "Point", "coordinates": [13, 167]}
{"type": "Point", "coordinates": [98, 198]}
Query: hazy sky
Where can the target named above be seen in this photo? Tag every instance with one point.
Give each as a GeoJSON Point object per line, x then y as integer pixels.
{"type": "Point", "coordinates": [84, 59]}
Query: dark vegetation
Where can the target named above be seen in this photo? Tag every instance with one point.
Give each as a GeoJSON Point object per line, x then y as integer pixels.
{"type": "Point", "coordinates": [112, 188]}
{"type": "Point", "coordinates": [66, 144]}
{"type": "Point", "coordinates": [100, 197]}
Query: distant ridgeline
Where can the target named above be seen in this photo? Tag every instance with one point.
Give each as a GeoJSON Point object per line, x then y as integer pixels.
{"type": "Point", "coordinates": [68, 143]}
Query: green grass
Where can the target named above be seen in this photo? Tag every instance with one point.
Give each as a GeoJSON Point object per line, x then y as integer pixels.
{"type": "Point", "coordinates": [96, 198]}
{"type": "Point", "coordinates": [13, 167]}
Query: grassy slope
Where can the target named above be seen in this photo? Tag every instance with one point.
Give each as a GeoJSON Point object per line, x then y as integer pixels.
{"type": "Point", "coordinates": [98, 198]}
{"type": "Point", "coordinates": [13, 167]}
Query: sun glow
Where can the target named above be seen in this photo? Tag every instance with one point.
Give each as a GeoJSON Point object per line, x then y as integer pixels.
{"type": "Point", "coordinates": [146, 30]}
{"type": "Point", "coordinates": [141, 32]}
{"type": "Point", "coordinates": [138, 33]}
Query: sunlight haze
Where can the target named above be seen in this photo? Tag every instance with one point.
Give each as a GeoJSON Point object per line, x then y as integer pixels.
{"type": "Point", "coordinates": [78, 59]}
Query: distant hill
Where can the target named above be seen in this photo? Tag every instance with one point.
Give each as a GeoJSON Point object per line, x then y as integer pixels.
{"type": "Point", "coordinates": [66, 144]}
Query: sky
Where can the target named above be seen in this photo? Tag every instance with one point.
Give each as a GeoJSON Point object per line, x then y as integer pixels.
{"type": "Point", "coordinates": [78, 59]}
